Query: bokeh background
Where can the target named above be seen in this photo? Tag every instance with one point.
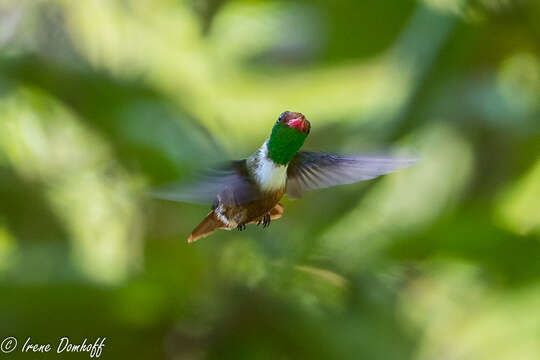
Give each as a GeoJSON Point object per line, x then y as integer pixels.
{"type": "Point", "coordinates": [102, 100]}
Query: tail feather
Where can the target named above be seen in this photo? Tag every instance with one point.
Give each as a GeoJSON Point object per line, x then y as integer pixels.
{"type": "Point", "coordinates": [210, 224]}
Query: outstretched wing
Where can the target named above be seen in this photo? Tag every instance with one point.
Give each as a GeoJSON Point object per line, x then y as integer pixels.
{"type": "Point", "coordinates": [317, 170]}
{"type": "Point", "coordinates": [230, 184]}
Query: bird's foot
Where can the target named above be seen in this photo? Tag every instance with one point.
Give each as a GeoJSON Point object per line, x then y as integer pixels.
{"type": "Point", "coordinates": [266, 220]}
{"type": "Point", "coordinates": [241, 227]}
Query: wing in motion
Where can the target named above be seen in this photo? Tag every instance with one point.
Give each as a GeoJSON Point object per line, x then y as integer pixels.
{"type": "Point", "coordinates": [316, 170]}
{"type": "Point", "coordinates": [230, 183]}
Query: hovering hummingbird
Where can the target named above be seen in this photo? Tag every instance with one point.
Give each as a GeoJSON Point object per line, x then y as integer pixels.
{"type": "Point", "coordinates": [248, 191]}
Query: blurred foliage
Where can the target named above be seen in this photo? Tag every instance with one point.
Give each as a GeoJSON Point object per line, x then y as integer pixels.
{"type": "Point", "coordinates": [100, 100]}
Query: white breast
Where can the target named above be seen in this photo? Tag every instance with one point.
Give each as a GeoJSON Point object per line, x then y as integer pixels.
{"type": "Point", "coordinates": [269, 175]}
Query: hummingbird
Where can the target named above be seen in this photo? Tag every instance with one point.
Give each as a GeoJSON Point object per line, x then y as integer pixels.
{"type": "Point", "coordinates": [248, 191]}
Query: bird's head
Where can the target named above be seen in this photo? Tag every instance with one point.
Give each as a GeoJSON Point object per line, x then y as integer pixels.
{"type": "Point", "coordinates": [294, 120]}
{"type": "Point", "coordinates": [288, 136]}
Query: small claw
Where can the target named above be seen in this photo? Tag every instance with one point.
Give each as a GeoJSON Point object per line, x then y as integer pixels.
{"type": "Point", "coordinates": [266, 220]}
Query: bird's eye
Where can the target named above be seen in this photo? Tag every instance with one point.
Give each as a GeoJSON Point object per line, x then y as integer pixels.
{"type": "Point", "coordinates": [282, 116]}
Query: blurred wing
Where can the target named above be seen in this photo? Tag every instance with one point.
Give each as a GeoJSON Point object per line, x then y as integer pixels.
{"type": "Point", "coordinates": [316, 170]}
{"type": "Point", "coordinates": [231, 184]}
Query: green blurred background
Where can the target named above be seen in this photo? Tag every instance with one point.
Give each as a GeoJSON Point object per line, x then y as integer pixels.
{"type": "Point", "coordinates": [102, 100]}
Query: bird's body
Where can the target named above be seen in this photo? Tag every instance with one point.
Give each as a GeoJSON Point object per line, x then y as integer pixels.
{"type": "Point", "coordinates": [268, 178]}
{"type": "Point", "coordinates": [249, 190]}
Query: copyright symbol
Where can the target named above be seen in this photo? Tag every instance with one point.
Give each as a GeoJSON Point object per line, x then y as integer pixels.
{"type": "Point", "coordinates": [8, 345]}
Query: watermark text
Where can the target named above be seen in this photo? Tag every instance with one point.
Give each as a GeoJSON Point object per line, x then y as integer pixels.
{"type": "Point", "coordinates": [63, 345]}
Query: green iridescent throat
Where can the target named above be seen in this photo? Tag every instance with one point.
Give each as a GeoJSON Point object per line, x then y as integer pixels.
{"type": "Point", "coordinates": [284, 143]}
